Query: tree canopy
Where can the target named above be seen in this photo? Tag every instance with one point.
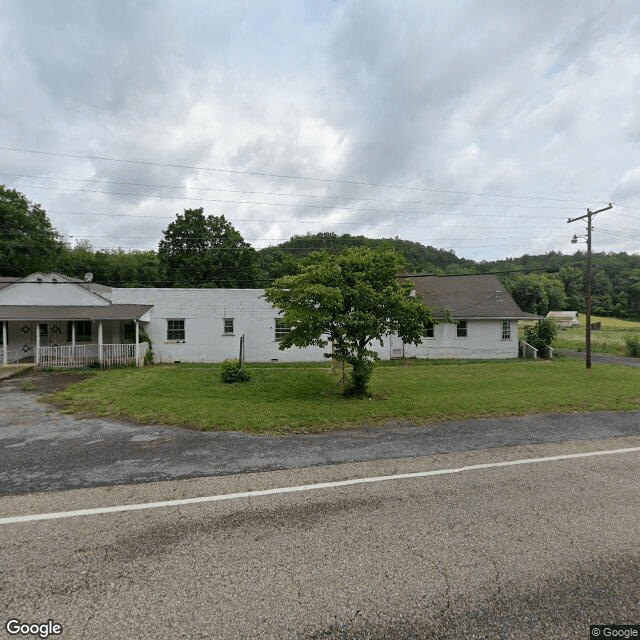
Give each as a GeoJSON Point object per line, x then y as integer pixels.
{"type": "Point", "coordinates": [199, 251]}
{"type": "Point", "coordinates": [349, 300]}
{"type": "Point", "coordinates": [28, 241]}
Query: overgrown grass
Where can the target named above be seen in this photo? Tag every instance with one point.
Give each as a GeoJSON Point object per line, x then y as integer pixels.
{"type": "Point", "coordinates": [286, 399]}
{"type": "Point", "coordinates": [609, 339]}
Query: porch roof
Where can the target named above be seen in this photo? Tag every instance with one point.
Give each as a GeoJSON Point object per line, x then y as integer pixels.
{"type": "Point", "coordinates": [106, 312]}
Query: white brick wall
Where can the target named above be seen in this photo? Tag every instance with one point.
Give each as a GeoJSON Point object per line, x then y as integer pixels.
{"type": "Point", "coordinates": [204, 310]}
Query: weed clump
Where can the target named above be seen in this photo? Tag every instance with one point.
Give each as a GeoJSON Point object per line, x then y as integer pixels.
{"type": "Point", "coordinates": [632, 346]}
{"type": "Point", "coordinates": [232, 371]}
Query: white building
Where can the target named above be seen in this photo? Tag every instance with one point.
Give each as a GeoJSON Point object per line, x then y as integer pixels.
{"type": "Point", "coordinates": [55, 320]}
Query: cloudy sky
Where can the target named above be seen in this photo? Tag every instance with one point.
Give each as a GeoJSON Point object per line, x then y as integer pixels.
{"type": "Point", "coordinates": [476, 125]}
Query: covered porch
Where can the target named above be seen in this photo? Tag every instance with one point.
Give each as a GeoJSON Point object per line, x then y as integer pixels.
{"type": "Point", "coordinates": [73, 336]}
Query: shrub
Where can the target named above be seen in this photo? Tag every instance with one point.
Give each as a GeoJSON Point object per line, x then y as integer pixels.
{"type": "Point", "coordinates": [632, 346]}
{"type": "Point", "coordinates": [143, 336]}
{"type": "Point", "coordinates": [541, 335]}
{"type": "Point", "coordinates": [233, 371]}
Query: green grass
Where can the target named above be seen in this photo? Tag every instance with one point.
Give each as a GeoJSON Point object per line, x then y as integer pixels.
{"type": "Point", "coordinates": [610, 339]}
{"type": "Point", "coordinates": [287, 399]}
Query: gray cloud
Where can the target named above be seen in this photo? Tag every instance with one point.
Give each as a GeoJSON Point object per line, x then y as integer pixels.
{"type": "Point", "coordinates": [453, 100]}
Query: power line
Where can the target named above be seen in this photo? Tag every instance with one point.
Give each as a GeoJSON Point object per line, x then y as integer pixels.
{"type": "Point", "coordinates": [273, 193]}
{"type": "Point", "coordinates": [253, 203]}
{"type": "Point", "coordinates": [289, 177]}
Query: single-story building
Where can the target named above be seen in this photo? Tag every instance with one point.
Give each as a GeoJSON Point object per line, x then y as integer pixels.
{"type": "Point", "coordinates": [55, 320]}
{"type": "Point", "coordinates": [565, 318]}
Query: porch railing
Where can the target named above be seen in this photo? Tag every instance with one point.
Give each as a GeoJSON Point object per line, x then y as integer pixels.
{"type": "Point", "coordinates": [86, 355]}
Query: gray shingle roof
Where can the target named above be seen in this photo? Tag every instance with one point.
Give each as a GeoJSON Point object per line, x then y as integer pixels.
{"type": "Point", "coordinates": [104, 312]}
{"type": "Point", "coordinates": [467, 297]}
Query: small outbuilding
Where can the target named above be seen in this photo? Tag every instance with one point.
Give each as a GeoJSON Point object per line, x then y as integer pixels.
{"type": "Point", "coordinates": [565, 318]}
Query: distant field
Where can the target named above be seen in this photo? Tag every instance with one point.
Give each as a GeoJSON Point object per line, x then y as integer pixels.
{"type": "Point", "coordinates": [307, 398]}
{"type": "Point", "coordinates": [609, 339]}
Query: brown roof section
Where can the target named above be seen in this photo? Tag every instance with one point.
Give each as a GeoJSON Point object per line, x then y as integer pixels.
{"type": "Point", "coordinates": [104, 312]}
{"type": "Point", "coordinates": [467, 297]}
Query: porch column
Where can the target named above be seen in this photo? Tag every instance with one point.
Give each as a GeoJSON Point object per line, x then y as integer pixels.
{"type": "Point", "coordinates": [37, 343]}
{"type": "Point", "coordinates": [5, 343]}
{"type": "Point", "coordinates": [100, 356]}
{"type": "Point", "coordinates": [137, 343]}
{"type": "Point", "coordinates": [73, 338]}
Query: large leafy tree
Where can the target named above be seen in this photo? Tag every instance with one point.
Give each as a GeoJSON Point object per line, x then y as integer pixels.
{"type": "Point", "coordinates": [199, 251]}
{"type": "Point", "coordinates": [349, 300]}
{"type": "Point", "coordinates": [28, 241]}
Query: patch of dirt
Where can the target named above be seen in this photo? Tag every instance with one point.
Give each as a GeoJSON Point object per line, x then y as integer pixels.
{"type": "Point", "coordinates": [41, 382]}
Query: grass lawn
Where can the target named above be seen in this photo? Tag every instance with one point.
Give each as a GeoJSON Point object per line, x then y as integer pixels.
{"type": "Point", "coordinates": [305, 398]}
{"type": "Point", "coordinates": [610, 339]}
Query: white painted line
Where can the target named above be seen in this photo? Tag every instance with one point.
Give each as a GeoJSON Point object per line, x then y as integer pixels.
{"type": "Point", "coordinates": [305, 487]}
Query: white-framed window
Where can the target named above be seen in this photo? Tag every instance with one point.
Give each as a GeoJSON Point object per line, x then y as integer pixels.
{"type": "Point", "coordinates": [506, 329]}
{"type": "Point", "coordinates": [227, 326]}
{"type": "Point", "coordinates": [281, 328]}
{"type": "Point", "coordinates": [431, 330]}
{"type": "Point", "coordinates": [461, 329]}
{"type": "Point", "coordinates": [175, 329]}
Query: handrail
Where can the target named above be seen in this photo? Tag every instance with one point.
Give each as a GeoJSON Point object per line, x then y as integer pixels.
{"type": "Point", "coordinates": [10, 360]}
{"type": "Point", "coordinates": [531, 348]}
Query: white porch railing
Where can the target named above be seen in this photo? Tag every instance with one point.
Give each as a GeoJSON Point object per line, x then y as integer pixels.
{"type": "Point", "coordinates": [85, 355]}
{"type": "Point", "coordinates": [527, 350]}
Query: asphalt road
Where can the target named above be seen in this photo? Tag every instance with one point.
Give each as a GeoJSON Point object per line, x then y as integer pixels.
{"type": "Point", "coordinates": [537, 550]}
{"type": "Point", "coordinates": [42, 450]}
{"type": "Point", "coordinates": [511, 549]}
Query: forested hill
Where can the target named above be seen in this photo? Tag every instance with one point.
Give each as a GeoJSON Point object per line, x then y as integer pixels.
{"type": "Point", "coordinates": [199, 250]}
{"type": "Point", "coordinates": [420, 259]}
{"type": "Point", "coordinates": [538, 283]}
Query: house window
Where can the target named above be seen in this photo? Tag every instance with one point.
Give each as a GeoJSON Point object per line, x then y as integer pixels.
{"type": "Point", "coordinates": [128, 332]}
{"type": "Point", "coordinates": [228, 326]}
{"type": "Point", "coordinates": [506, 330]}
{"type": "Point", "coordinates": [83, 331]}
{"type": "Point", "coordinates": [281, 328]}
{"type": "Point", "coordinates": [430, 330]}
{"type": "Point", "coordinates": [461, 329]}
{"type": "Point", "coordinates": [175, 330]}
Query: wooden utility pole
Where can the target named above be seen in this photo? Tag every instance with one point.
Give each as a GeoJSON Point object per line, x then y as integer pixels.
{"type": "Point", "coordinates": [588, 216]}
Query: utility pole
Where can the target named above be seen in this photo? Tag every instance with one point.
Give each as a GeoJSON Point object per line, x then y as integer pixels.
{"type": "Point", "coordinates": [588, 216]}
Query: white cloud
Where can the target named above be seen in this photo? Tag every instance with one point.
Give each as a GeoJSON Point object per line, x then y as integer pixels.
{"type": "Point", "coordinates": [452, 100]}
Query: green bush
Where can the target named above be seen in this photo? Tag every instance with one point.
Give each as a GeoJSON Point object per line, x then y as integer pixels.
{"type": "Point", "coordinates": [632, 346]}
{"type": "Point", "coordinates": [233, 371]}
{"type": "Point", "coordinates": [541, 335]}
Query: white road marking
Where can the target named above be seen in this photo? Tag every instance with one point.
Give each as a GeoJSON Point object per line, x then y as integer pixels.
{"type": "Point", "coordinates": [305, 487]}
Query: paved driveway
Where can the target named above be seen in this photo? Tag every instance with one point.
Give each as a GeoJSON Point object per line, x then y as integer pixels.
{"type": "Point", "coordinates": [43, 450]}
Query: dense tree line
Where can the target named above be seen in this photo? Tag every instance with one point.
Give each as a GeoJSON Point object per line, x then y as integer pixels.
{"type": "Point", "coordinates": [206, 251]}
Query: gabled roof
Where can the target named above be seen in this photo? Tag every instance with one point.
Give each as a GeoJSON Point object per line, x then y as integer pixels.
{"type": "Point", "coordinates": [48, 277]}
{"type": "Point", "coordinates": [468, 297]}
